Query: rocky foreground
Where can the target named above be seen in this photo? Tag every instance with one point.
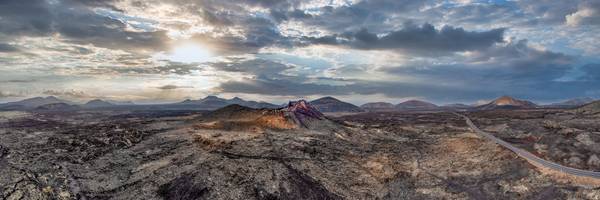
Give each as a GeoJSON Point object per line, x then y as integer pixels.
{"type": "Point", "coordinates": [178, 155]}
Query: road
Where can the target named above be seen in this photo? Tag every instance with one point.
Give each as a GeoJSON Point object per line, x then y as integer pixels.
{"type": "Point", "coordinates": [533, 158]}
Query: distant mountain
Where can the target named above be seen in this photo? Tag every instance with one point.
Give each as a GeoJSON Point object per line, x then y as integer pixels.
{"type": "Point", "coordinates": [416, 105]}
{"type": "Point", "coordinates": [214, 102]}
{"type": "Point", "coordinates": [35, 102]}
{"type": "Point", "coordinates": [57, 107]}
{"type": "Point", "coordinates": [330, 104]}
{"type": "Point", "coordinates": [507, 102]}
{"type": "Point", "coordinates": [377, 106]}
{"type": "Point", "coordinates": [98, 103]}
{"type": "Point", "coordinates": [572, 102]}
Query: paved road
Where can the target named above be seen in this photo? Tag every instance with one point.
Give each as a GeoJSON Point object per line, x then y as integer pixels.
{"type": "Point", "coordinates": [533, 158]}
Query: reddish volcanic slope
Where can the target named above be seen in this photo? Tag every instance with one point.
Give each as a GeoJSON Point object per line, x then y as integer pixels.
{"type": "Point", "coordinates": [302, 112]}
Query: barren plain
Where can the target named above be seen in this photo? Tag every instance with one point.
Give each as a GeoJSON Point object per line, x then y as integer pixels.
{"type": "Point", "coordinates": [387, 155]}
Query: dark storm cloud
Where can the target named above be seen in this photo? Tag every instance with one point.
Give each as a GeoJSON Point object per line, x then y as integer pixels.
{"type": "Point", "coordinates": [76, 21]}
{"type": "Point", "coordinates": [268, 78]}
{"type": "Point", "coordinates": [8, 48]}
{"type": "Point", "coordinates": [512, 68]}
{"type": "Point", "coordinates": [424, 39]}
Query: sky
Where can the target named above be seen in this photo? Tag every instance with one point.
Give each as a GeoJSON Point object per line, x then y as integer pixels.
{"type": "Point", "coordinates": [156, 51]}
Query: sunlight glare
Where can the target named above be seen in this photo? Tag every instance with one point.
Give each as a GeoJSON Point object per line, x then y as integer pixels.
{"type": "Point", "coordinates": [189, 53]}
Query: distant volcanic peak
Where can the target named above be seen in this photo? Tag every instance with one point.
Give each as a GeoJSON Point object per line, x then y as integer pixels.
{"type": "Point", "coordinates": [304, 108]}
{"type": "Point", "coordinates": [510, 101]}
{"type": "Point", "coordinates": [506, 100]}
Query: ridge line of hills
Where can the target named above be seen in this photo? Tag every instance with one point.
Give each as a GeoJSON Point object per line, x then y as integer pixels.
{"type": "Point", "coordinates": [324, 104]}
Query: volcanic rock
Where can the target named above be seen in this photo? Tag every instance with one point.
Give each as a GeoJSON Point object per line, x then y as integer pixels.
{"type": "Point", "coordinates": [593, 107]}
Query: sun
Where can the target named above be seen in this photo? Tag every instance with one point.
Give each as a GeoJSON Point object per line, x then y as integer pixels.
{"type": "Point", "coordinates": [189, 53]}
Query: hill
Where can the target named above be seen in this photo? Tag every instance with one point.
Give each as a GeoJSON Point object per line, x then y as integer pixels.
{"type": "Point", "coordinates": [330, 104]}
{"type": "Point", "coordinates": [507, 102]}
{"type": "Point", "coordinates": [214, 102]}
{"type": "Point", "coordinates": [571, 103]}
{"type": "Point", "coordinates": [416, 105]}
{"type": "Point", "coordinates": [98, 103]}
{"type": "Point", "coordinates": [591, 108]}
{"type": "Point", "coordinates": [35, 102]}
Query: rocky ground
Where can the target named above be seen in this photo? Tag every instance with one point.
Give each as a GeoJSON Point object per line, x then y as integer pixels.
{"type": "Point", "coordinates": [166, 155]}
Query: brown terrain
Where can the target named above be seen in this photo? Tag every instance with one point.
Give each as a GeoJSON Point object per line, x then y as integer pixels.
{"type": "Point", "coordinates": [294, 152]}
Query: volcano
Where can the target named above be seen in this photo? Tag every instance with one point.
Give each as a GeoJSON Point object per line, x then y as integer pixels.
{"type": "Point", "coordinates": [507, 102]}
{"type": "Point", "coordinates": [297, 114]}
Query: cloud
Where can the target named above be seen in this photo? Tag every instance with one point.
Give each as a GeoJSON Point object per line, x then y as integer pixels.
{"type": "Point", "coordinates": [548, 11]}
{"type": "Point", "coordinates": [8, 48]}
{"type": "Point", "coordinates": [513, 67]}
{"type": "Point", "coordinates": [448, 50]}
{"type": "Point", "coordinates": [172, 87]}
{"type": "Point", "coordinates": [588, 13]}
{"type": "Point", "coordinates": [8, 94]}
{"type": "Point", "coordinates": [71, 94]}
{"type": "Point", "coordinates": [423, 40]}
{"type": "Point", "coordinates": [76, 22]}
